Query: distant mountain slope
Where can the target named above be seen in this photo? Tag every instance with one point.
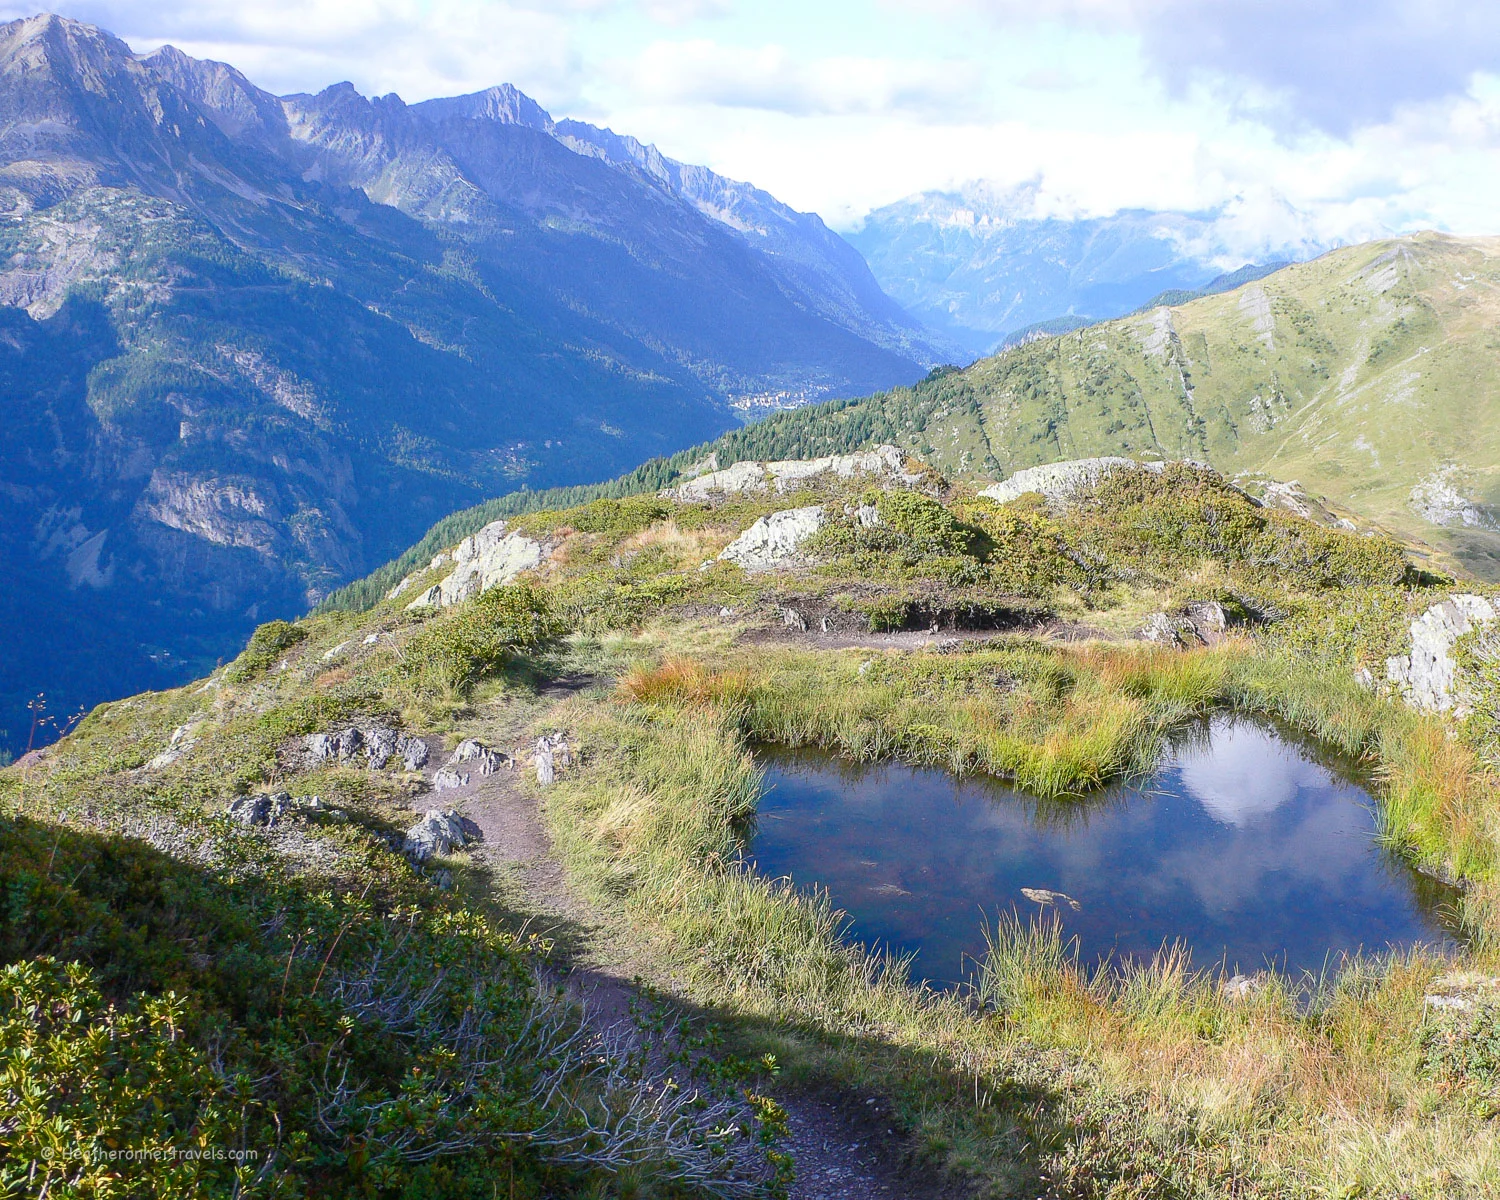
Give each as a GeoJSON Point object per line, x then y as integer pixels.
{"type": "Point", "coordinates": [977, 265]}
{"type": "Point", "coordinates": [1370, 376]}
{"type": "Point", "coordinates": [259, 343]}
{"type": "Point", "coordinates": [816, 266]}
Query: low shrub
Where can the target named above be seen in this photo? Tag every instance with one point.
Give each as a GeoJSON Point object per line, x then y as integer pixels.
{"type": "Point", "coordinates": [267, 644]}
{"type": "Point", "coordinates": [475, 639]}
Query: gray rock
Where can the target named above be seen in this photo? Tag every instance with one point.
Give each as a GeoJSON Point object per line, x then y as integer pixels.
{"type": "Point", "coordinates": [1203, 623]}
{"type": "Point", "coordinates": [793, 619]}
{"type": "Point", "coordinates": [552, 754]}
{"type": "Point", "coordinates": [1428, 677]}
{"type": "Point", "coordinates": [448, 778]}
{"type": "Point", "coordinates": [380, 743]}
{"type": "Point", "coordinates": [481, 757]}
{"type": "Point", "coordinates": [431, 598]}
{"type": "Point", "coordinates": [262, 810]}
{"type": "Point", "coordinates": [179, 744]}
{"type": "Point", "coordinates": [486, 559]}
{"type": "Point", "coordinates": [1059, 480]}
{"type": "Point", "coordinates": [321, 747]}
{"type": "Point", "coordinates": [348, 742]}
{"type": "Point", "coordinates": [546, 768]}
{"type": "Point", "coordinates": [774, 540]}
{"type": "Point", "coordinates": [438, 832]}
{"type": "Point", "coordinates": [1165, 630]}
{"type": "Point", "coordinates": [884, 464]}
{"type": "Point", "coordinates": [413, 752]}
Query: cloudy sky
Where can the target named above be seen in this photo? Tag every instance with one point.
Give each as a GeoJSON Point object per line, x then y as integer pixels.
{"type": "Point", "coordinates": [1341, 118]}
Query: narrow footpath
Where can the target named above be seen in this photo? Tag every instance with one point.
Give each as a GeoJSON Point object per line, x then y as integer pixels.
{"type": "Point", "coordinates": [843, 1147]}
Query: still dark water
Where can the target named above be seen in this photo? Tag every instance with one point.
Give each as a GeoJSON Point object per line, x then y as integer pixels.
{"type": "Point", "coordinates": [1241, 845]}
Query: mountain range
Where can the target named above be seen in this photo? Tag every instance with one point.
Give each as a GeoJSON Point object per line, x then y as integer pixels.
{"type": "Point", "coordinates": [254, 345]}
{"type": "Point", "coordinates": [985, 264]}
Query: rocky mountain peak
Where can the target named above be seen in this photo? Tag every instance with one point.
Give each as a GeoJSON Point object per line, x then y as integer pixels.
{"type": "Point", "coordinates": [235, 105]}
{"type": "Point", "coordinates": [504, 103]}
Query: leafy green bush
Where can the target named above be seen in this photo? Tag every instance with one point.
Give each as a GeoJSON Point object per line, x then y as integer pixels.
{"type": "Point", "coordinates": [886, 614]}
{"type": "Point", "coordinates": [169, 1032]}
{"type": "Point", "coordinates": [472, 640]}
{"type": "Point", "coordinates": [268, 643]}
{"type": "Point", "coordinates": [619, 518]}
{"type": "Point", "coordinates": [928, 526]}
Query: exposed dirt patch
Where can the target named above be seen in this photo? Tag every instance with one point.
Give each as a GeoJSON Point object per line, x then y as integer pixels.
{"type": "Point", "coordinates": [846, 1149]}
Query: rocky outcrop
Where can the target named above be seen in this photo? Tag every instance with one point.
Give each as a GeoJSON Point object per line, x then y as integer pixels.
{"type": "Point", "coordinates": [269, 808]}
{"type": "Point", "coordinates": [181, 743]}
{"type": "Point", "coordinates": [371, 746]}
{"type": "Point", "coordinates": [439, 832]}
{"type": "Point", "coordinates": [484, 560]}
{"type": "Point", "coordinates": [472, 756]}
{"type": "Point", "coordinates": [774, 540]}
{"type": "Point", "coordinates": [883, 464]}
{"type": "Point", "coordinates": [1201, 623]}
{"type": "Point", "coordinates": [1428, 677]}
{"type": "Point", "coordinates": [1059, 480]}
{"type": "Point", "coordinates": [552, 754]}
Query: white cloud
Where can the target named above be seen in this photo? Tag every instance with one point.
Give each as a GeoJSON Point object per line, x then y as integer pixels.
{"type": "Point", "coordinates": [770, 78]}
{"type": "Point", "coordinates": [1246, 774]}
{"type": "Point", "coordinates": [684, 12]}
{"type": "Point", "coordinates": [1338, 64]}
{"type": "Point", "coordinates": [419, 48]}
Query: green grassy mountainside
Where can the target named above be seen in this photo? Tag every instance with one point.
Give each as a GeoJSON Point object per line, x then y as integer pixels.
{"type": "Point", "coordinates": [1371, 376]}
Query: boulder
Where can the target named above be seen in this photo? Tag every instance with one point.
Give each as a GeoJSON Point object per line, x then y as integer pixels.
{"type": "Point", "coordinates": [1428, 677]}
{"type": "Point", "coordinates": [773, 540]}
{"type": "Point", "coordinates": [488, 559]}
{"type": "Point", "coordinates": [413, 752]}
{"type": "Point", "coordinates": [438, 832]}
{"type": "Point", "coordinates": [1202, 623]}
{"type": "Point", "coordinates": [449, 777]}
{"type": "Point", "coordinates": [431, 598]}
{"type": "Point", "coordinates": [379, 744]}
